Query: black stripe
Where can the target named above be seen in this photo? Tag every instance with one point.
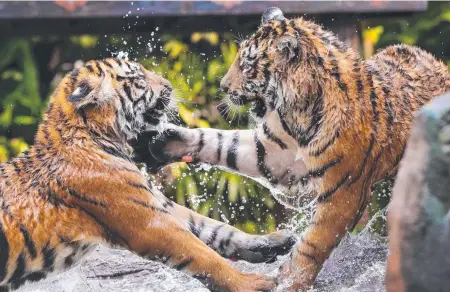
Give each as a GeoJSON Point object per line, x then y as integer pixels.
{"type": "Point", "coordinates": [316, 111]}
{"type": "Point", "coordinates": [285, 125]}
{"type": "Point", "coordinates": [363, 199]}
{"type": "Point", "coordinates": [90, 68]}
{"type": "Point", "coordinates": [79, 196]}
{"type": "Point", "coordinates": [111, 235]}
{"type": "Point", "coordinates": [272, 137]}
{"type": "Point", "coordinates": [201, 142]}
{"type": "Point", "coordinates": [99, 68]}
{"type": "Point", "coordinates": [390, 112]}
{"type": "Point", "coordinates": [4, 253]}
{"type": "Point", "coordinates": [167, 203]}
{"type": "Point", "coordinates": [124, 106]}
{"type": "Point", "coordinates": [119, 61]}
{"type": "Point", "coordinates": [36, 276]}
{"type": "Point", "coordinates": [399, 157]}
{"type": "Point", "coordinates": [266, 72]}
{"type": "Point", "coordinates": [319, 172]}
{"type": "Point", "coordinates": [330, 142]}
{"type": "Point", "coordinates": [138, 185]}
{"type": "Point", "coordinates": [260, 154]}
{"type": "Point", "coordinates": [283, 26]}
{"type": "Point", "coordinates": [310, 257]}
{"type": "Point", "coordinates": [107, 64]}
{"type": "Point", "coordinates": [373, 97]}
{"type": "Point", "coordinates": [141, 98]}
{"type": "Point", "coordinates": [225, 242]}
{"type": "Point", "coordinates": [363, 165]}
{"type": "Point", "coordinates": [28, 241]}
{"type": "Point", "coordinates": [117, 275]}
{"type": "Point", "coordinates": [214, 234]}
{"type": "Point", "coordinates": [68, 261]}
{"type": "Point", "coordinates": [16, 165]}
{"type": "Point", "coordinates": [192, 226]}
{"type": "Point", "coordinates": [219, 145]}
{"type": "Point", "coordinates": [183, 264]}
{"type": "Point", "coordinates": [49, 255]}
{"type": "Point", "coordinates": [147, 205]}
{"type": "Point", "coordinates": [200, 227]}
{"type": "Point", "coordinates": [127, 90]}
{"type": "Point", "coordinates": [74, 78]}
{"type": "Point", "coordinates": [138, 86]}
{"type": "Point", "coordinates": [335, 69]}
{"type": "Point", "coordinates": [327, 195]}
{"type": "Point", "coordinates": [232, 151]}
{"type": "Point", "coordinates": [115, 152]}
{"type": "Point", "coordinates": [128, 66]}
{"type": "Point", "coordinates": [20, 269]}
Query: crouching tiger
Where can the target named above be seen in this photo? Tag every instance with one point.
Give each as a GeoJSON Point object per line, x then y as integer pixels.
{"type": "Point", "coordinates": [330, 125]}
{"type": "Point", "coordinates": [77, 186]}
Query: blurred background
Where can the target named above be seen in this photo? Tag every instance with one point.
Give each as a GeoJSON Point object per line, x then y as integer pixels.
{"type": "Point", "coordinates": [192, 44]}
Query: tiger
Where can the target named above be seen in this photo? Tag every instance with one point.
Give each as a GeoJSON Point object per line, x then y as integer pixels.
{"type": "Point", "coordinates": [329, 125]}
{"type": "Point", "coordinates": [78, 186]}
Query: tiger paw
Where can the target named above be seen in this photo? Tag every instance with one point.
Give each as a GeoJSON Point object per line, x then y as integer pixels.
{"type": "Point", "coordinates": [142, 154]}
{"type": "Point", "coordinates": [158, 146]}
{"type": "Point", "coordinates": [265, 248]}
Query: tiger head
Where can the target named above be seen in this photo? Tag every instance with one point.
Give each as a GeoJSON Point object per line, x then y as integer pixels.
{"type": "Point", "coordinates": [114, 97]}
{"type": "Point", "coordinates": [280, 66]}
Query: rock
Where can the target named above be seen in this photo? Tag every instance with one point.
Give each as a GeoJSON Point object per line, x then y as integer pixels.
{"type": "Point", "coordinates": [357, 265]}
{"type": "Point", "coordinates": [418, 222]}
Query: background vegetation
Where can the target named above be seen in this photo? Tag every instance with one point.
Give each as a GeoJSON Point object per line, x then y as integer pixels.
{"type": "Point", "coordinates": [31, 67]}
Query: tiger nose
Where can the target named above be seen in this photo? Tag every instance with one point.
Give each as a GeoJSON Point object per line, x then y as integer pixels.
{"type": "Point", "coordinates": [224, 85]}
{"type": "Point", "coordinates": [167, 85]}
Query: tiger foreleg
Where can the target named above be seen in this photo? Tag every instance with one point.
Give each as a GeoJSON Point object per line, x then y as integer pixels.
{"type": "Point", "coordinates": [248, 152]}
{"type": "Point", "coordinates": [229, 241]}
{"type": "Point", "coordinates": [335, 215]}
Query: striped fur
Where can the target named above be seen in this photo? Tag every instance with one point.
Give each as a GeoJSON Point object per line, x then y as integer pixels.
{"type": "Point", "coordinates": [330, 125]}
{"type": "Point", "coordinates": [77, 186]}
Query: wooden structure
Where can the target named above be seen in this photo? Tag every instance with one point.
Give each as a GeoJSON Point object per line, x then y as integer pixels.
{"type": "Point", "coordinates": [98, 17]}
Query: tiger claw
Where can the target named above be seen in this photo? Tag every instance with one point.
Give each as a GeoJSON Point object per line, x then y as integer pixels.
{"type": "Point", "coordinates": [268, 248]}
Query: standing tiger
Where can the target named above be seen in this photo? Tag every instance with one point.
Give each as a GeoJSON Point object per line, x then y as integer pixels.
{"type": "Point", "coordinates": [78, 186]}
{"type": "Point", "coordinates": [330, 125]}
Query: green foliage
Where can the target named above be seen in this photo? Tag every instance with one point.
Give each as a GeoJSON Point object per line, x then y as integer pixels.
{"type": "Point", "coordinates": [21, 104]}
{"type": "Point", "coordinates": [427, 30]}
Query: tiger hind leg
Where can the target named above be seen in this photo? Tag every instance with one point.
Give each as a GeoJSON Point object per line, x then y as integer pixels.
{"type": "Point", "coordinates": [145, 227]}
{"type": "Point", "coordinates": [229, 241]}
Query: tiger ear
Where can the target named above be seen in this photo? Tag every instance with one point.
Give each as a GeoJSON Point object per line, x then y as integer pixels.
{"type": "Point", "coordinates": [272, 13]}
{"type": "Point", "coordinates": [86, 93]}
{"type": "Point", "coordinates": [287, 46]}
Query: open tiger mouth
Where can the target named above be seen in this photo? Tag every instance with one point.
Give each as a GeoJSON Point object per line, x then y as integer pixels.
{"type": "Point", "coordinates": [239, 100]}
{"type": "Point", "coordinates": [258, 106]}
